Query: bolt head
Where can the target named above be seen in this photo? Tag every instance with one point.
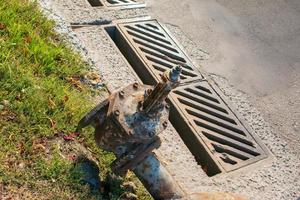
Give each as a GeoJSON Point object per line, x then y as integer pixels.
{"type": "Point", "coordinates": [117, 112]}
{"type": "Point", "coordinates": [165, 124]}
{"type": "Point", "coordinates": [135, 85]}
{"type": "Point", "coordinates": [151, 134]}
{"type": "Point", "coordinates": [121, 93]}
{"type": "Point", "coordinates": [167, 106]}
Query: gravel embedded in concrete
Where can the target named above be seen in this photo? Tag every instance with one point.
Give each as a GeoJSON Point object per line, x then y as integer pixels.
{"type": "Point", "coordinates": [81, 12]}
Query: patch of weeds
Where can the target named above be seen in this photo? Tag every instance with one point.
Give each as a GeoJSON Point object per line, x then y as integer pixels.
{"type": "Point", "coordinates": [41, 96]}
{"type": "Point", "coordinates": [53, 168]}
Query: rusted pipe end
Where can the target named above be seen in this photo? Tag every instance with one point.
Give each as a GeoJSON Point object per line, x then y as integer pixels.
{"type": "Point", "coordinates": [175, 73]}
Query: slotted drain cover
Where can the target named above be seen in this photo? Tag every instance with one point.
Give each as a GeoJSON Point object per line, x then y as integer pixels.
{"type": "Point", "coordinates": [209, 127]}
{"type": "Point", "coordinates": [217, 127]}
{"type": "Point", "coordinates": [153, 44]}
{"type": "Point", "coordinates": [126, 4]}
{"type": "Point", "coordinates": [120, 2]}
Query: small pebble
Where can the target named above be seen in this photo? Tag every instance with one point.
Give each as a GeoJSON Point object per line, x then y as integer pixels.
{"type": "Point", "coordinates": [21, 165]}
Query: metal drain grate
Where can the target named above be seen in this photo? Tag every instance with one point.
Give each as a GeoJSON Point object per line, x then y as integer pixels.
{"type": "Point", "coordinates": [217, 127]}
{"type": "Point", "coordinates": [126, 4]}
{"type": "Point", "coordinates": [95, 3]}
{"type": "Point", "coordinates": [153, 44]}
{"type": "Point", "coordinates": [121, 2]}
{"type": "Point", "coordinates": [118, 2]}
{"type": "Point", "coordinates": [217, 138]}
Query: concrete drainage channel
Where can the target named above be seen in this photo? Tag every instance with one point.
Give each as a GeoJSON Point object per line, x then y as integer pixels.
{"type": "Point", "coordinates": [214, 133]}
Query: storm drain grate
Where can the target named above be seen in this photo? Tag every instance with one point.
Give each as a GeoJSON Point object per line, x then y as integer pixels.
{"type": "Point", "coordinates": [117, 3]}
{"type": "Point", "coordinates": [217, 127]}
{"type": "Point", "coordinates": [154, 45]}
{"type": "Point", "coordinates": [120, 2]}
{"type": "Point", "coordinates": [95, 3]}
{"type": "Point", "coordinates": [211, 130]}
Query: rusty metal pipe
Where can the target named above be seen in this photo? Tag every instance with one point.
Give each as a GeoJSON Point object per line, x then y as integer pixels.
{"type": "Point", "coordinates": [170, 80]}
{"type": "Point", "coordinates": [128, 123]}
{"type": "Point", "coordinates": [156, 178]}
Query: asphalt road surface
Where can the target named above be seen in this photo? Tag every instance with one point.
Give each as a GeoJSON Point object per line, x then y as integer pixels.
{"type": "Point", "coordinates": [255, 44]}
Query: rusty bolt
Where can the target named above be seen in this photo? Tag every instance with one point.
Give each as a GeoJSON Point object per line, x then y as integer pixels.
{"type": "Point", "coordinates": [151, 134]}
{"type": "Point", "coordinates": [121, 93]}
{"type": "Point", "coordinates": [135, 85]}
{"type": "Point", "coordinates": [167, 106]}
{"type": "Point", "coordinates": [117, 112]}
{"type": "Point", "coordinates": [165, 124]}
{"type": "Point", "coordinates": [140, 104]}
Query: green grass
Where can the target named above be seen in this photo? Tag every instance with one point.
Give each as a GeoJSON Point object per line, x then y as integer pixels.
{"type": "Point", "coordinates": [41, 96]}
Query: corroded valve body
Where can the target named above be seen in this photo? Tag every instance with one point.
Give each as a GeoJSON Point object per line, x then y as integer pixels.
{"type": "Point", "coordinates": [128, 124]}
